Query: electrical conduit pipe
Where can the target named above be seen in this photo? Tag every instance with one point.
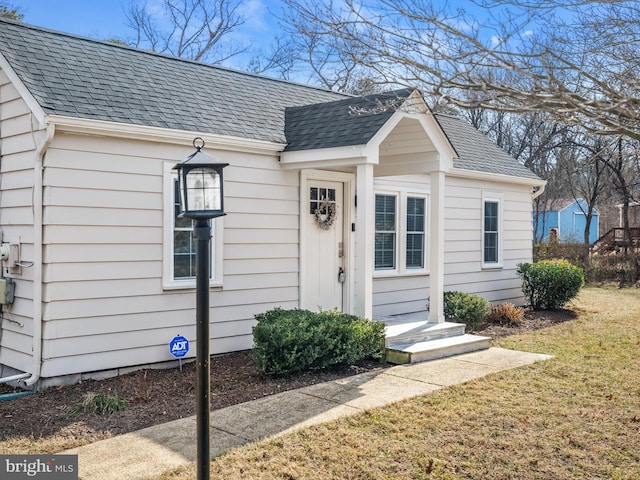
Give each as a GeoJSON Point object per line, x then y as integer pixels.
{"type": "Point", "coordinates": [38, 170]}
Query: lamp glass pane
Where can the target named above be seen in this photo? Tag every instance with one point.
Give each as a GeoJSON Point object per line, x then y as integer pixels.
{"type": "Point", "coordinates": [203, 190]}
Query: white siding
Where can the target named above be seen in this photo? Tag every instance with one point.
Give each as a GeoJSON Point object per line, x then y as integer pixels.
{"type": "Point", "coordinates": [403, 294]}
{"type": "Point", "coordinates": [463, 240]}
{"type": "Point", "coordinates": [105, 306]}
{"type": "Point", "coordinates": [17, 150]}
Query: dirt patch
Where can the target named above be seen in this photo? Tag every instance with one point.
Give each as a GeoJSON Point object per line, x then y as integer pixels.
{"type": "Point", "coordinates": [157, 396]}
{"type": "Point", "coordinates": [533, 320]}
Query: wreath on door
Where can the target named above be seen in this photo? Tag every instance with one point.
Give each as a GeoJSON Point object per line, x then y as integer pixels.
{"type": "Point", "coordinates": [326, 214]}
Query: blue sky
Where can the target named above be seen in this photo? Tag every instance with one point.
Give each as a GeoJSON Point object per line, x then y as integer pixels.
{"type": "Point", "coordinates": [90, 18]}
{"type": "Point", "coordinates": [105, 19]}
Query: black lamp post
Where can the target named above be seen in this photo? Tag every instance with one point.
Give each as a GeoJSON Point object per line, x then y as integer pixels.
{"type": "Point", "coordinates": [201, 199]}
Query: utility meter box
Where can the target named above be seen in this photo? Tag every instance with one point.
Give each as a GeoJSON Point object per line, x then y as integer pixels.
{"type": "Point", "coordinates": [7, 289]}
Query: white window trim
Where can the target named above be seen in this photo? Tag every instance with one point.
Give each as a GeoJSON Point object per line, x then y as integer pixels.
{"type": "Point", "coordinates": [401, 235]}
{"type": "Point", "coordinates": [495, 198]}
{"type": "Point", "coordinates": [217, 240]}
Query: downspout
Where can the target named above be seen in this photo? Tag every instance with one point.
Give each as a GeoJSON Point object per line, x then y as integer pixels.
{"type": "Point", "coordinates": [38, 170]}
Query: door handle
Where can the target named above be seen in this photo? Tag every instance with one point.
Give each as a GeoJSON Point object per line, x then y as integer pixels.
{"type": "Point", "coordinates": [342, 276]}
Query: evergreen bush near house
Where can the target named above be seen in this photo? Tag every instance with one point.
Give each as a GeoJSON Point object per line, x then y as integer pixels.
{"type": "Point", "coordinates": [550, 284]}
{"type": "Point", "coordinates": [465, 308]}
{"type": "Point", "coordinates": [289, 341]}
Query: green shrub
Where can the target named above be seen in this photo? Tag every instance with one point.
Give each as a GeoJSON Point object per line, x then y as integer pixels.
{"type": "Point", "coordinates": [505, 314]}
{"type": "Point", "coordinates": [550, 284]}
{"type": "Point", "coordinates": [288, 341]}
{"type": "Point", "coordinates": [466, 308]}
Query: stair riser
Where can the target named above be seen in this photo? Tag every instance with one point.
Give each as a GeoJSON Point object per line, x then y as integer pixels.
{"type": "Point", "coordinates": [450, 351]}
{"type": "Point", "coordinates": [402, 357]}
{"type": "Point", "coordinates": [415, 337]}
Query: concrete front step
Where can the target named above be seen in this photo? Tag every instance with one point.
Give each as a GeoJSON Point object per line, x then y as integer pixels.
{"type": "Point", "coordinates": [405, 332]}
{"type": "Point", "coordinates": [437, 348]}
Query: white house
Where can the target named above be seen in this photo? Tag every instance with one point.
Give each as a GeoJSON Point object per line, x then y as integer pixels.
{"type": "Point", "coordinates": [410, 204]}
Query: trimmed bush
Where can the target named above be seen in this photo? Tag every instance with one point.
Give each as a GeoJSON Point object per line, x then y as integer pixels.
{"type": "Point", "coordinates": [505, 314]}
{"type": "Point", "coordinates": [550, 284]}
{"type": "Point", "coordinates": [465, 308]}
{"type": "Point", "coordinates": [289, 341]}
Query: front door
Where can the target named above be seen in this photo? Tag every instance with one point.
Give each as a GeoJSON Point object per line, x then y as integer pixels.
{"type": "Point", "coordinates": [323, 266]}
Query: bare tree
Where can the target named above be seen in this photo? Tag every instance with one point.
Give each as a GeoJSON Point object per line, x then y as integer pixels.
{"type": "Point", "coordinates": [325, 60]}
{"type": "Point", "coordinates": [194, 29]}
{"type": "Point", "coordinates": [584, 165]}
{"type": "Point", "coordinates": [576, 60]}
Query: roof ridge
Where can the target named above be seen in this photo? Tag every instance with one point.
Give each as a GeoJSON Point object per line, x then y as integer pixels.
{"type": "Point", "coordinates": [163, 55]}
{"type": "Point", "coordinates": [351, 97]}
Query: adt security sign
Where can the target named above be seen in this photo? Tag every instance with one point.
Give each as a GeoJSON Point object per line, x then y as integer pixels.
{"type": "Point", "coordinates": [179, 346]}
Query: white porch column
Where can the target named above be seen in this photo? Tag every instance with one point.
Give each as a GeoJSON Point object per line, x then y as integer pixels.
{"type": "Point", "coordinates": [436, 248]}
{"type": "Point", "coordinates": [365, 232]}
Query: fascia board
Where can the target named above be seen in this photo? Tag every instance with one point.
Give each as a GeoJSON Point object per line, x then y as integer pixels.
{"type": "Point", "coordinates": [22, 89]}
{"type": "Point", "coordinates": [495, 177]}
{"type": "Point", "coordinates": [348, 153]}
{"type": "Point", "coordinates": [162, 135]}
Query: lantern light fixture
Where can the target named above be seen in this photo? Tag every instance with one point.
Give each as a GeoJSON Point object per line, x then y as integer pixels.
{"type": "Point", "coordinates": [201, 186]}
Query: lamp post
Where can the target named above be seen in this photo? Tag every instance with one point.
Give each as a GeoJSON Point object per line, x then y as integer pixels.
{"type": "Point", "coordinates": [201, 199]}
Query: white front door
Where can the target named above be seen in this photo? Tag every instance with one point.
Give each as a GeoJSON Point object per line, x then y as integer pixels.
{"type": "Point", "coordinates": [323, 261]}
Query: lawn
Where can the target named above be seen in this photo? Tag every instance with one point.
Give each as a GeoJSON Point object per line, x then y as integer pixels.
{"type": "Point", "coordinates": [575, 416]}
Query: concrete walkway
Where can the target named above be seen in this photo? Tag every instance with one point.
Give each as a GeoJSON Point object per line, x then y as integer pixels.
{"type": "Point", "coordinates": [151, 451]}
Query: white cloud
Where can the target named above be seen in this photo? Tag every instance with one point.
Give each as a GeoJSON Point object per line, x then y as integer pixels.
{"type": "Point", "coordinates": [254, 12]}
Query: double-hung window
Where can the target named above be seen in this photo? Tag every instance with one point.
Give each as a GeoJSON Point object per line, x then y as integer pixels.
{"type": "Point", "coordinates": [400, 233]}
{"type": "Point", "coordinates": [179, 264]}
{"type": "Point", "coordinates": [415, 253]}
{"type": "Point", "coordinates": [491, 232]}
{"type": "Point", "coordinates": [386, 232]}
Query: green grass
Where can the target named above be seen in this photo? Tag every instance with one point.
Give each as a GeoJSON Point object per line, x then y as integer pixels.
{"type": "Point", "coordinates": [575, 416]}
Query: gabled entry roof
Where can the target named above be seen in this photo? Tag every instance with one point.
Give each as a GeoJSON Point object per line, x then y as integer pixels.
{"type": "Point", "coordinates": [351, 121]}
{"type": "Point", "coordinates": [354, 121]}
{"type": "Point", "coordinates": [82, 78]}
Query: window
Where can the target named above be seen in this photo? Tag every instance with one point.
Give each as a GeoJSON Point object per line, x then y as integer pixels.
{"type": "Point", "coordinates": [385, 244]}
{"type": "Point", "coordinates": [415, 232]}
{"type": "Point", "coordinates": [491, 233]}
{"type": "Point", "coordinates": [400, 233]}
{"type": "Point", "coordinates": [179, 250]}
{"type": "Point", "coordinates": [184, 246]}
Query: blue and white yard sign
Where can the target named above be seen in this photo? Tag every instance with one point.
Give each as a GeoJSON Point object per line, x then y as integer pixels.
{"type": "Point", "coordinates": [179, 346]}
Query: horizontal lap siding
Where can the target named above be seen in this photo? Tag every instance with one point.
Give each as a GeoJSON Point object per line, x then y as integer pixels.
{"type": "Point", "coordinates": [463, 239]}
{"type": "Point", "coordinates": [17, 150]}
{"type": "Point", "coordinates": [398, 295]}
{"type": "Point", "coordinates": [105, 304]}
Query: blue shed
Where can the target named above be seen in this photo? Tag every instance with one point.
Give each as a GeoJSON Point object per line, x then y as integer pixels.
{"type": "Point", "coordinates": [567, 224]}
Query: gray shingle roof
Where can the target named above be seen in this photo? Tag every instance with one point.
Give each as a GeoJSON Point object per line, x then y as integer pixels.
{"type": "Point", "coordinates": [351, 121]}
{"type": "Point", "coordinates": [85, 78]}
{"type": "Point", "coordinates": [477, 152]}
